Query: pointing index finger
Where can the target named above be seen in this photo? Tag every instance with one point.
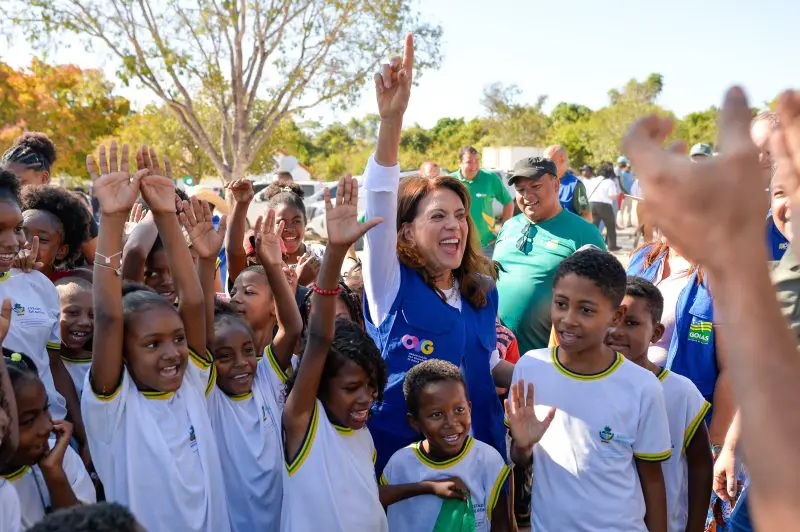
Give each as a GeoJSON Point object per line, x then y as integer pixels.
{"type": "Point", "coordinates": [408, 55]}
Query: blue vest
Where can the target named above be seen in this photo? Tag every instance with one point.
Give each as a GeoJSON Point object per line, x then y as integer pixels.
{"type": "Point", "coordinates": [222, 259]}
{"type": "Point", "coordinates": [419, 326]}
{"type": "Point", "coordinates": [692, 351]}
{"type": "Point", "coordinates": [566, 191]}
{"type": "Point", "coordinates": [778, 244]}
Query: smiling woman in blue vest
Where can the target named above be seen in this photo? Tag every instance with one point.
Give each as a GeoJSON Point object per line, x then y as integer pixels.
{"type": "Point", "coordinates": [690, 346]}
{"type": "Point", "coordinates": [427, 289]}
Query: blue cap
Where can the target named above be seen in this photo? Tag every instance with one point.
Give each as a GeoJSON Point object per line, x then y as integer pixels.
{"type": "Point", "coordinates": [623, 160]}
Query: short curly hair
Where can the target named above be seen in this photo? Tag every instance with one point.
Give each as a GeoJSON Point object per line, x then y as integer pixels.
{"type": "Point", "coordinates": [602, 268]}
{"type": "Point", "coordinates": [68, 208]}
{"type": "Point", "coordinates": [425, 373]}
{"type": "Point", "coordinates": [100, 517]}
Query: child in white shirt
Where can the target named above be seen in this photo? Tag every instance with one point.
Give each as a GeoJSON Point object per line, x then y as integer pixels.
{"type": "Point", "coordinates": [45, 472]}
{"type": "Point", "coordinates": [688, 472]}
{"type": "Point", "coordinates": [448, 463]}
{"type": "Point", "coordinates": [144, 403]}
{"type": "Point", "coordinates": [610, 424]}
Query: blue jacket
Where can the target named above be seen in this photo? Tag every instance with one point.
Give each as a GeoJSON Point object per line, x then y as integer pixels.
{"type": "Point", "coordinates": [692, 351]}
{"type": "Point", "coordinates": [778, 244]}
{"type": "Point", "coordinates": [566, 192]}
{"type": "Point", "coordinates": [419, 326]}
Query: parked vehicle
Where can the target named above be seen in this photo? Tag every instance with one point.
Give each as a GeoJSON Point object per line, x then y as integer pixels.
{"type": "Point", "coordinates": [258, 207]}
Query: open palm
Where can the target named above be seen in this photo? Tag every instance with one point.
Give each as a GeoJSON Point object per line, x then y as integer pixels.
{"type": "Point", "coordinates": [342, 220]}
{"type": "Point", "coordinates": [159, 193]}
{"type": "Point", "coordinates": [199, 224]}
{"type": "Point", "coordinates": [526, 428]}
{"type": "Point", "coordinates": [268, 240]}
{"type": "Point", "coordinates": [115, 188]}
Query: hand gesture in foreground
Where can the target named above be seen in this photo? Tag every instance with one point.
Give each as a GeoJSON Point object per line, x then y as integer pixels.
{"type": "Point", "coordinates": [342, 219]}
{"type": "Point", "coordinates": [526, 428]}
{"type": "Point", "coordinates": [115, 188]}
{"type": "Point", "coordinates": [713, 210]}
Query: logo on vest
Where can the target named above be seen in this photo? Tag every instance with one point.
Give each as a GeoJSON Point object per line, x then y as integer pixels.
{"type": "Point", "coordinates": [418, 350]}
{"type": "Point", "coordinates": [700, 332]}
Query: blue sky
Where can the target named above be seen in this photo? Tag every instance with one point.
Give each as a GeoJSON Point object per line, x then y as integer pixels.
{"type": "Point", "coordinates": [576, 50]}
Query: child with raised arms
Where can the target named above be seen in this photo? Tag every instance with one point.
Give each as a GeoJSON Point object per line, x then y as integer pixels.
{"type": "Point", "coordinates": [598, 466]}
{"type": "Point", "coordinates": [244, 409]}
{"type": "Point", "coordinates": [330, 482]}
{"type": "Point", "coordinates": [45, 471]}
{"type": "Point", "coordinates": [77, 327]}
{"type": "Point", "coordinates": [448, 463]}
{"type": "Point", "coordinates": [688, 472]}
{"type": "Point", "coordinates": [145, 402]}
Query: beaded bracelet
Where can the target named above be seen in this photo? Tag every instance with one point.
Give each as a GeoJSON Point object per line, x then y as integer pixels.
{"type": "Point", "coordinates": [324, 292]}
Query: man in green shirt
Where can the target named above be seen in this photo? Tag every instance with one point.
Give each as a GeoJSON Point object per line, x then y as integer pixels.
{"type": "Point", "coordinates": [530, 247]}
{"type": "Point", "coordinates": [484, 187]}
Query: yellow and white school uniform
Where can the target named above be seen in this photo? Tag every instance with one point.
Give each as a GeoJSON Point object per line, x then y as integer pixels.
{"type": "Point", "coordinates": [247, 428]}
{"type": "Point", "coordinates": [686, 411]}
{"type": "Point", "coordinates": [276, 376]}
{"type": "Point", "coordinates": [35, 325]}
{"type": "Point", "coordinates": [156, 453]}
{"type": "Point", "coordinates": [77, 369]}
{"type": "Point", "coordinates": [34, 499]}
{"type": "Point", "coordinates": [479, 465]}
{"type": "Point", "coordinates": [10, 516]}
{"type": "Point", "coordinates": [585, 477]}
{"type": "Point", "coordinates": [330, 484]}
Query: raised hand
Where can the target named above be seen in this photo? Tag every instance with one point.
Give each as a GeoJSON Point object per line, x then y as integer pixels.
{"type": "Point", "coordinates": [342, 220]}
{"type": "Point", "coordinates": [450, 488]}
{"type": "Point", "coordinates": [27, 257]}
{"type": "Point", "coordinates": [198, 221]}
{"type": "Point", "coordinates": [526, 429]}
{"type": "Point", "coordinates": [242, 190]}
{"type": "Point", "coordinates": [393, 83]}
{"type": "Point", "coordinates": [147, 158]}
{"type": "Point", "coordinates": [114, 186]}
{"type": "Point", "coordinates": [159, 193]}
{"type": "Point", "coordinates": [53, 460]}
{"type": "Point", "coordinates": [713, 211]}
{"type": "Point", "coordinates": [268, 239]}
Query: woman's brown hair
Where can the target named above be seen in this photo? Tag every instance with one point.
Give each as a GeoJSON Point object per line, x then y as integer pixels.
{"type": "Point", "coordinates": [475, 272]}
{"type": "Point", "coordinates": [657, 249]}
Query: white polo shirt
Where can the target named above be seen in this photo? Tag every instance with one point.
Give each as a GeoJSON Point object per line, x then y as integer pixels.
{"type": "Point", "coordinates": [585, 477]}
{"type": "Point", "coordinates": [35, 325]}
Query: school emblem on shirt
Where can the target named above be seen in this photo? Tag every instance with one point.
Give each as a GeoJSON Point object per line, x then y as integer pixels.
{"type": "Point", "coordinates": [606, 435]}
{"type": "Point", "coordinates": [700, 332]}
{"type": "Point", "coordinates": [19, 310]}
{"type": "Point", "coordinates": [192, 437]}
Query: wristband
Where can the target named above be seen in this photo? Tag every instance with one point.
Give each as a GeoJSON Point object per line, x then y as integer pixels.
{"type": "Point", "coordinates": [323, 292]}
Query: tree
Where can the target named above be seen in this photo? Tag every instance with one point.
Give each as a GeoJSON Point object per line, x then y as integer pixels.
{"type": "Point", "coordinates": [700, 126]}
{"type": "Point", "coordinates": [511, 123]}
{"type": "Point", "coordinates": [71, 105]}
{"type": "Point", "coordinates": [258, 62]}
{"type": "Point", "coordinates": [569, 113]}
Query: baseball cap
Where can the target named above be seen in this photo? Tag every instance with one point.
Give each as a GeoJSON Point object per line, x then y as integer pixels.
{"type": "Point", "coordinates": [701, 149]}
{"type": "Point", "coordinates": [587, 167]}
{"type": "Point", "coordinates": [623, 160]}
{"type": "Point", "coordinates": [532, 168]}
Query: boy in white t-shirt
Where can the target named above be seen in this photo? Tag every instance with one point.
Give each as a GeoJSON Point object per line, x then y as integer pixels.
{"type": "Point", "coordinates": [610, 427]}
{"type": "Point", "coordinates": [688, 472]}
{"type": "Point", "coordinates": [448, 463]}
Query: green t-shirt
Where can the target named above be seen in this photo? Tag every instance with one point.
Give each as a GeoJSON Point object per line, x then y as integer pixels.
{"type": "Point", "coordinates": [525, 288]}
{"type": "Point", "coordinates": [486, 187]}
